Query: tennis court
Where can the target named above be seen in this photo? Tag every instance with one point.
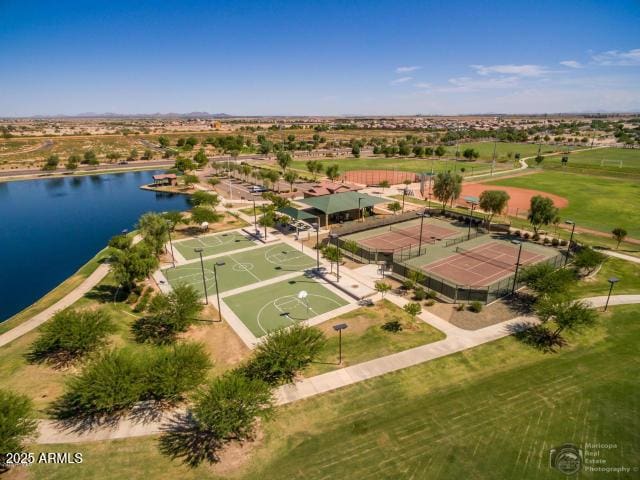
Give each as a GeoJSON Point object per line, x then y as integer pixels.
{"type": "Point", "coordinates": [278, 305]}
{"type": "Point", "coordinates": [481, 265]}
{"type": "Point", "coordinates": [402, 236]}
{"type": "Point", "coordinates": [240, 269]}
{"type": "Point", "coordinates": [213, 244]}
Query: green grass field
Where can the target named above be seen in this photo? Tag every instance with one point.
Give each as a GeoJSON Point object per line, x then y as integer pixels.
{"type": "Point", "coordinates": [600, 160]}
{"type": "Point", "coordinates": [599, 203]}
{"type": "Point", "coordinates": [241, 269]}
{"type": "Point", "coordinates": [213, 244]}
{"type": "Point", "coordinates": [486, 413]}
{"type": "Point", "coordinates": [277, 305]}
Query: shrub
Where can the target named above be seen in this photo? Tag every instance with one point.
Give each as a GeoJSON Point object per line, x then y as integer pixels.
{"type": "Point", "coordinates": [546, 241]}
{"type": "Point", "coordinates": [535, 237]}
{"type": "Point", "coordinates": [475, 307]}
{"type": "Point", "coordinates": [284, 353]}
{"type": "Point", "coordinates": [408, 284]}
{"type": "Point", "coordinates": [430, 303]}
{"type": "Point", "coordinates": [17, 423]}
{"type": "Point", "coordinates": [71, 334]}
{"type": "Point", "coordinates": [555, 242]}
{"type": "Point", "coordinates": [431, 294]}
{"type": "Point", "coordinates": [563, 243]}
{"type": "Point", "coordinates": [392, 326]}
{"type": "Point", "coordinates": [517, 233]}
{"type": "Point", "coordinates": [526, 235]}
{"type": "Point", "coordinates": [412, 309]}
{"type": "Point", "coordinates": [419, 294]}
{"type": "Point", "coordinates": [459, 307]}
{"type": "Point", "coordinates": [228, 406]}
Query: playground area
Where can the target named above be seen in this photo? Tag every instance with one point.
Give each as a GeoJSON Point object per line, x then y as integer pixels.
{"type": "Point", "coordinates": [240, 269]}
{"type": "Point", "coordinates": [213, 244]}
{"type": "Point", "coordinates": [268, 308]}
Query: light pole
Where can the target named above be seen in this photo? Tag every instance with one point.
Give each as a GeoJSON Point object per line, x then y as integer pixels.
{"type": "Point", "coordinates": [473, 204]}
{"type": "Point", "coordinates": [360, 216]}
{"type": "Point", "coordinates": [338, 328]}
{"type": "Point", "coordinates": [255, 215]}
{"type": "Point", "coordinates": [573, 229]}
{"type": "Point", "coordinates": [318, 244]}
{"type": "Point", "coordinates": [215, 276]}
{"type": "Point", "coordinates": [204, 280]}
{"type": "Point", "coordinates": [334, 236]}
{"type": "Point", "coordinates": [515, 275]}
{"type": "Point", "coordinates": [421, 215]}
{"type": "Point", "coordinates": [612, 281]}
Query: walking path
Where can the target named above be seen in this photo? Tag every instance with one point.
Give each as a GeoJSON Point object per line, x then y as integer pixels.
{"type": "Point", "coordinates": [49, 432]}
{"type": "Point", "coordinates": [72, 297]}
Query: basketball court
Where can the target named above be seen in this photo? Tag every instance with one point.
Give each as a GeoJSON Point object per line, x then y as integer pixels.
{"type": "Point", "coordinates": [271, 307]}
{"type": "Point", "coordinates": [213, 244]}
{"type": "Point", "coordinates": [241, 269]}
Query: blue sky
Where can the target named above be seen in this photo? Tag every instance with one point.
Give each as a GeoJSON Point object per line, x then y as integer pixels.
{"type": "Point", "coordinates": [319, 57]}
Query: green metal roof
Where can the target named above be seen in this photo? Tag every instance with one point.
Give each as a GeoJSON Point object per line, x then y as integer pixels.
{"type": "Point", "coordinates": [341, 202]}
{"type": "Point", "coordinates": [296, 214]}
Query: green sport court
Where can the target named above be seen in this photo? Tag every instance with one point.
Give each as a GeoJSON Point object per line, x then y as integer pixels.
{"type": "Point", "coordinates": [275, 306]}
{"type": "Point", "coordinates": [241, 269]}
{"type": "Point", "coordinates": [213, 244]}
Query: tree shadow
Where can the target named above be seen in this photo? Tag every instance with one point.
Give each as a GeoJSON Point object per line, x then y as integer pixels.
{"type": "Point", "coordinates": [521, 303]}
{"type": "Point", "coordinates": [537, 336]}
{"type": "Point", "coordinates": [184, 439]}
{"type": "Point", "coordinates": [107, 294]}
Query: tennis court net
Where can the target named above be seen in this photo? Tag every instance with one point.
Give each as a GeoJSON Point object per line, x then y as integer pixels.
{"type": "Point", "coordinates": [413, 233]}
{"type": "Point", "coordinates": [485, 258]}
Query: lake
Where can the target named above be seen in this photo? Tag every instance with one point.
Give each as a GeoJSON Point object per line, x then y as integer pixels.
{"type": "Point", "coordinates": [50, 227]}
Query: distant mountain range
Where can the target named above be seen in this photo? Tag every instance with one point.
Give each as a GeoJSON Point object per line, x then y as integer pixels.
{"type": "Point", "coordinates": [138, 115]}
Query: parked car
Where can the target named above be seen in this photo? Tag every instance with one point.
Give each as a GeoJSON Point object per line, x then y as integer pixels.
{"type": "Point", "coordinates": [257, 189]}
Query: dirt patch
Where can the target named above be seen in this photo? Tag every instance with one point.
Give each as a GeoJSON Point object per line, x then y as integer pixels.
{"type": "Point", "coordinates": [497, 312]}
{"type": "Point", "coordinates": [520, 197]}
{"type": "Point", "coordinates": [236, 454]}
{"type": "Point", "coordinates": [220, 341]}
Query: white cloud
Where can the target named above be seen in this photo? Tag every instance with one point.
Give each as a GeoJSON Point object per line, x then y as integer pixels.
{"type": "Point", "coordinates": [520, 70]}
{"type": "Point", "coordinates": [400, 80]}
{"type": "Point", "coordinates": [617, 58]}
{"type": "Point", "coordinates": [412, 68]}
{"type": "Point", "coordinates": [468, 84]}
{"type": "Point", "coordinates": [571, 64]}
{"type": "Point", "coordinates": [422, 85]}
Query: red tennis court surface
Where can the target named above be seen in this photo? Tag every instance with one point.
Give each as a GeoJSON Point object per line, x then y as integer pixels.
{"type": "Point", "coordinates": [375, 177]}
{"type": "Point", "coordinates": [405, 236]}
{"type": "Point", "coordinates": [481, 266]}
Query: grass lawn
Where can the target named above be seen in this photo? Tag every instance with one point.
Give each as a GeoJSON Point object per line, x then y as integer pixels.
{"type": "Point", "coordinates": [275, 306]}
{"type": "Point", "coordinates": [410, 164]}
{"type": "Point", "coordinates": [489, 412]}
{"type": "Point", "coordinates": [616, 160]}
{"type": "Point", "coordinates": [627, 272]}
{"type": "Point", "coordinates": [598, 203]}
{"type": "Point", "coordinates": [364, 339]}
{"type": "Point", "coordinates": [57, 293]}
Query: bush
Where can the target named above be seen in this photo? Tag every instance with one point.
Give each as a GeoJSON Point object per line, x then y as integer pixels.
{"type": "Point", "coordinates": [535, 237]}
{"type": "Point", "coordinates": [408, 284]}
{"type": "Point", "coordinates": [431, 294]}
{"type": "Point", "coordinates": [546, 241]}
{"type": "Point", "coordinates": [284, 353]}
{"type": "Point", "coordinates": [475, 307]}
{"type": "Point", "coordinates": [517, 233]}
{"type": "Point", "coordinates": [70, 335]}
{"type": "Point", "coordinates": [392, 326]}
{"type": "Point", "coordinates": [526, 235]}
{"type": "Point", "coordinates": [118, 379]}
{"type": "Point", "coordinates": [228, 406]}
{"type": "Point", "coordinates": [419, 294]}
{"type": "Point", "coordinates": [430, 303]}
{"type": "Point", "coordinates": [555, 242]}
{"type": "Point", "coordinates": [459, 307]}
{"type": "Point", "coordinates": [17, 423]}
{"type": "Point", "coordinates": [563, 243]}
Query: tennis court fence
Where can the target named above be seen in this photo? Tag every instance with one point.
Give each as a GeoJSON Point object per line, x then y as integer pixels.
{"type": "Point", "coordinates": [457, 293]}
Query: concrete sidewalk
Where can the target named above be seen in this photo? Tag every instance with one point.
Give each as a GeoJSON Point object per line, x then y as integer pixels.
{"type": "Point", "coordinates": [73, 296]}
